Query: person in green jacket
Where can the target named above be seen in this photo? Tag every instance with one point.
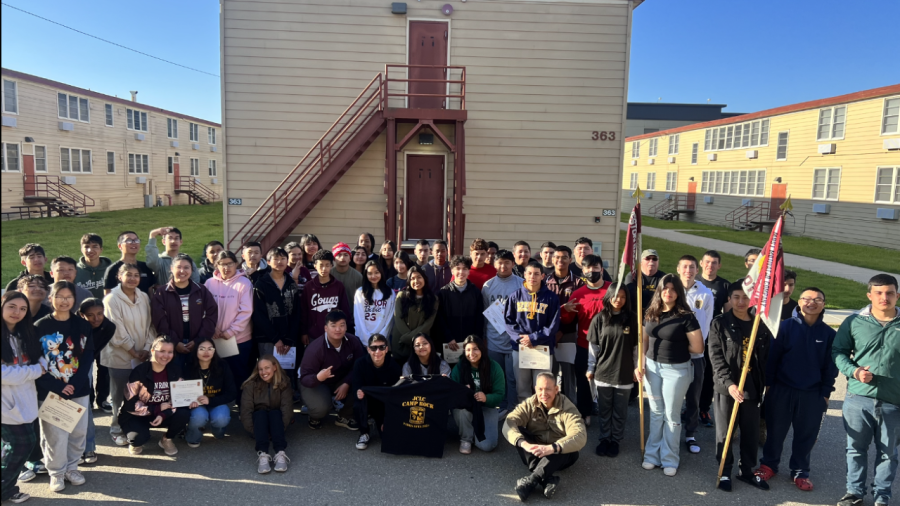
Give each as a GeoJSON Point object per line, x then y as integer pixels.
{"type": "Point", "coordinates": [92, 266]}
{"type": "Point", "coordinates": [474, 372]}
{"type": "Point", "coordinates": [414, 313]}
{"type": "Point", "coordinates": [867, 351]}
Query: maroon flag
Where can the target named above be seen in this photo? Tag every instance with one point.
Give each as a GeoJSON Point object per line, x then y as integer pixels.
{"type": "Point", "coordinates": [764, 283]}
{"type": "Point", "coordinates": [631, 255]}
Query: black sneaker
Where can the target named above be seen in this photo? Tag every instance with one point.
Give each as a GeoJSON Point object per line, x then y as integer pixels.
{"type": "Point", "coordinates": [524, 487]}
{"type": "Point", "coordinates": [754, 480]}
{"type": "Point", "coordinates": [105, 406]}
{"type": "Point", "coordinates": [850, 500]}
{"type": "Point", "coordinates": [613, 450]}
{"type": "Point", "coordinates": [705, 419]}
{"type": "Point", "coordinates": [602, 448]}
{"type": "Point", "coordinates": [19, 498]}
{"type": "Point", "coordinates": [550, 486]}
{"type": "Point", "coordinates": [315, 424]}
{"type": "Point", "coordinates": [347, 423]}
{"type": "Point", "coordinates": [725, 484]}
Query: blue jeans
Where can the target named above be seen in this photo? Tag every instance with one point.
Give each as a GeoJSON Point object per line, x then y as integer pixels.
{"type": "Point", "coordinates": [215, 419]}
{"type": "Point", "coordinates": [505, 360]}
{"type": "Point", "coordinates": [667, 385]}
{"type": "Point", "coordinates": [866, 419]}
{"type": "Point", "coordinates": [463, 418]}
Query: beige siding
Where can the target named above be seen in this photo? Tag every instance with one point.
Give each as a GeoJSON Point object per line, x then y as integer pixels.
{"type": "Point", "coordinates": [39, 118]}
{"type": "Point", "coordinates": [540, 78]}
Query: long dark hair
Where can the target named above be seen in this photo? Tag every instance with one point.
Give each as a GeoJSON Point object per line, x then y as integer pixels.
{"type": "Point", "coordinates": [434, 360]}
{"type": "Point", "coordinates": [624, 316]}
{"type": "Point", "coordinates": [484, 366]}
{"type": "Point", "coordinates": [215, 365]}
{"type": "Point", "coordinates": [409, 295]}
{"type": "Point", "coordinates": [656, 305]}
{"type": "Point", "coordinates": [369, 290]}
{"type": "Point", "coordinates": [24, 330]}
{"type": "Point", "coordinates": [308, 238]}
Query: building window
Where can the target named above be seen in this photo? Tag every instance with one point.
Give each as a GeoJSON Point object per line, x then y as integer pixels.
{"type": "Point", "coordinates": [211, 133]}
{"type": "Point", "coordinates": [195, 166]}
{"type": "Point", "coordinates": [694, 148]}
{"type": "Point", "coordinates": [636, 149]}
{"type": "Point", "coordinates": [195, 132]}
{"type": "Point", "coordinates": [670, 181]}
{"type": "Point", "coordinates": [673, 144]}
{"type": "Point", "coordinates": [654, 147]}
{"type": "Point", "coordinates": [213, 171]}
{"type": "Point", "coordinates": [74, 108]}
{"type": "Point", "coordinates": [887, 185]}
{"type": "Point", "coordinates": [10, 157]}
{"type": "Point", "coordinates": [75, 160]}
{"type": "Point", "coordinates": [110, 162]}
{"type": "Point", "coordinates": [826, 183]}
{"type": "Point", "coordinates": [634, 180]}
{"type": "Point", "coordinates": [831, 123]}
{"type": "Point", "coordinates": [734, 182]}
{"type": "Point", "coordinates": [40, 158]}
{"type": "Point", "coordinates": [651, 181]}
{"type": "Point", "coordinates": [782, 146]}
{"type": "Point", "coordinates": [170, 165]}
{"type": "Point", "coordinates": [729, 136]}
{"type": "Point", "coordinates": [109, 115]}
{"type": "Point", "coordinates": [706, 139]}
{"type": "Point", "coordinates": [172, 128]}
{"type": "Point", "coordinates": [890, 116]}
{"type": "Point", "coordinates": [138, 163]}
{"type": "Point", "coordinates": [11, 97]}
{"type": "Point", "coordinates": [749, 134]}
{"type": "Point", "coordinates": [137, 120]}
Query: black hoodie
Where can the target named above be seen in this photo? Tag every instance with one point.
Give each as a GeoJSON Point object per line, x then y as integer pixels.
{"type": "Point", "coordinates": [219, 386]}
{"type": "Point", "coordinates": [102, 335]}
{"type": "Point", "coordinates": [460, 314]}
{"type": "Point", "coordinates": [276, 312]}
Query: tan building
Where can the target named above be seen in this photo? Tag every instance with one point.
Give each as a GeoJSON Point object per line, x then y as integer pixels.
{"type": "Point", "coordinates": [69, 150]}
{"type": "Point", "coordinates": [510, 127]}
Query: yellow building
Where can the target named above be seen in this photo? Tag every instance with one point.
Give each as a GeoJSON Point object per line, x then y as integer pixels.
{"type": "Point", "coordinates": [837, 158]}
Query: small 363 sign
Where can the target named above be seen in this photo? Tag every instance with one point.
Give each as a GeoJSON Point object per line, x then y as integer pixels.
{"type": "Point", "coordinates": [235, 202]}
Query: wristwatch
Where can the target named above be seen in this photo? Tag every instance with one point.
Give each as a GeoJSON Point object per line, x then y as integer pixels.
{"type": "Point", "coordinates": [555, 448]}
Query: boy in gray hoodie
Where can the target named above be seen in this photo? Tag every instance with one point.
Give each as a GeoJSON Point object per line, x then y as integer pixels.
{"type": "Point", "coordinates": [499, 344]}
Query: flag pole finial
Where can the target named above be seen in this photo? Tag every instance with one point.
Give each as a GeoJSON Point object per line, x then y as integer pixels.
{"type": "Point", "coordinates": [638, 194]}
{"type": "Point", "coordinates": [787, 205]}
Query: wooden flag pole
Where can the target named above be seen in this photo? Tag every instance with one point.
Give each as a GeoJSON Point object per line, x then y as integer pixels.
{"type": "Point", "coordinates": [734, 411]}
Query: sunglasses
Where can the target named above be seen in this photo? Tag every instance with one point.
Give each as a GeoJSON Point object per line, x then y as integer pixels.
{"type": "Point", "coordinates": [378, 347]}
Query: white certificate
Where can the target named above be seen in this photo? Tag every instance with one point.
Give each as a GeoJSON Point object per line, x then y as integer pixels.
{"type": "Point", "coordinates": [289, 359]}
{"type": "Point", "coordinates": [185, 392]}
{"type": "Point", "coordinates": [226, 347]}
{"type": "Point", "coordinates": [60, 412]}
{"type": "Point", "coordinates": [534, 358]}
{"type": "Point", "coordinates": [565, 352]}
{"type": "Point", "coordinates": [494, 314]}
{"type": "Point", "coordinates": [452, 357]}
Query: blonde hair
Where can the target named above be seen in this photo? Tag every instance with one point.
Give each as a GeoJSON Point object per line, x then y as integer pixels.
{"type": "Point", "coordinates": [279, 379]}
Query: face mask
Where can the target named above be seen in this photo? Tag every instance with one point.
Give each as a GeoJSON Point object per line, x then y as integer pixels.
{"type": "Point", "coordinates": [595, 276]}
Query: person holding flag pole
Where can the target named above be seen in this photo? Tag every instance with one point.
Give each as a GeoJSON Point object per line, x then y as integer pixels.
{"type": "Point", "coordinates": [764, 285]}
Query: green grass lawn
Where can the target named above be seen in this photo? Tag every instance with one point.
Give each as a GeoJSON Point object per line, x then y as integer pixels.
{"type": "Point", "coordinates": [841, 293]}
{"type": "Point", "coordinates": [62, 236]}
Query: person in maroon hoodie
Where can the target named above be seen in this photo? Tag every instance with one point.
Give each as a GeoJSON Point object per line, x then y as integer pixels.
{"type": "Point", "coordinates": [321, 295]}
{"type": "Point", "coordinates": [183, 310]}
{"type": "Point", "coordinates": [326, 371]}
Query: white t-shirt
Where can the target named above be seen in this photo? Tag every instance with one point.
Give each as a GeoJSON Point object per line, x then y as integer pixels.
{"type": "Point", "coordinates": [702, 302]}
{"type": "Point", "coordinates": [376, 318]}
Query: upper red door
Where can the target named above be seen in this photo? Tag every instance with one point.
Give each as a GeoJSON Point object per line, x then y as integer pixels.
{"type": "Point", "coordinates": [424, 196]}
{"type": "Point", "coordinates": [428, 46]}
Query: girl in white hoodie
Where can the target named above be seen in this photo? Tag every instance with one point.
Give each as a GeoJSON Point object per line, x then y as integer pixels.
{"type": "Point", "coordinates": [373, 304]}
{"type": "Point", "coordinates": [20, 368]}
{"type": "Point", "coordinates": [129, 308]}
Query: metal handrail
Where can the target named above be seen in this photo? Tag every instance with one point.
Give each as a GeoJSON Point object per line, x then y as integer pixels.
{"type": "Point", "coordinates": [461, 81]}
{"type": "Point", "coordinates": [195, 186]}
{"type": "Point", "coordinates": [743, 215]}
{"type": "Point", "coordinates": [660, 209]}
{"type": "Point", "coordinates": [49, 187]}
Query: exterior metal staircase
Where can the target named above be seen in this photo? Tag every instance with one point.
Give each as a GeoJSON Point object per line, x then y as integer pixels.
{"type": "Point", "coordinates": [60, 198]}
{"type": "Point", "coordinates": [671, 209]}
{"type": "Point", "coordinates": [752, 217]}
{"type": "Point", "coordinates": [195, 190]}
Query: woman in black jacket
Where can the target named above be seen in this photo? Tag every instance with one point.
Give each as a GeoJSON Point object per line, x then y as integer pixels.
{"type": "Point", "coordinates": [613, 339]}
{"type": "Point", "coordinates": [379, 370]}
{"type": "Point", "coordinates": [213, 408]}
{"type": "Point", "coordinates": [148, 400]}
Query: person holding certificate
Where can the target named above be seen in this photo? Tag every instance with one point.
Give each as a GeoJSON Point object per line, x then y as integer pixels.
{"type": "Point", "coordinates": [148, 400]}
{"type": "Point", "coordinates": [484, 377]}
{"type": "Point", "coordinates": [20, 366]}
{"type": "Point", "coordinates": [414, 313]}
{"type": "Point", "coordinates": [212, 409]}
{"type": "Point", "coordinates": [233, 293]}
{"type": "Point", "coordinates": [425, 360]}
{"type": "Point", "coordinates": [68, 348]}
{"type": "Point", "coordinates": [267, 408]}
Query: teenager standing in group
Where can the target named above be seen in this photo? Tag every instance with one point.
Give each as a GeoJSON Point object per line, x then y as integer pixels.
{"type": "Point", "coordinates": [309, 245]}
{"type": "Point", "coordinates": [373, 304]}
{"type": "Point", "coordinates": [130, 245]}
{"type": "Point", "coordinates": [386, 259]}
{"type": "Point", "coordinates": [563, 282]}
{"type": "Point", "coordinates": [68, 350]}
{"type": "Point", "coordinates": [522, 252]}
{"type": "Point", "coordinates": [344, 272]}
{"type": "Point", "coordinates": [63, 269]}
{"type": "Point", "coordinates": [709, 276]}
{"type": "Point", "coordinates": [128, 308]}
{"type": "Point", "coordinates": [321, 296]}
{"type": "Point", "coordinates": [481, 271]}
{"type": "Point", "coordinates": [402, 263]}
{"type": "Point", "coordinates": [253, 265]}
{"type": "Point", "coordinates": [671, 334]}
{"type": "Point", "coordinates": [546, 255]}
{"type": "Point", "coordinates": [33, 258]}
{"type": "Point", "coordinates": [233, 294]}
{"type": "Point", "coordinates": [358, 259]}
{"type": "Point", "coordinates": [373, 370]}
{"type": "Point", "coordinates": [92, 265]}
{"type": "Point", "coordinates": [437, 270]}
{"type": "Point", "coordinates": [367, 242]}
{"type": "Point", "coordinates": [161, 264]}
{"type": "Point", "coordinates": [267, 411]}
{"type": "Point", "coordinates": [460, 307]}
{"type": "Point", "coordinates": [422, 252]}
{"type": "Point", "coordinates": [212, 409]}
{"type": "Point", "coordinates": [35, 289]}
{"type": "Point", "coordinates": [21, 352]}
{"type": "Point", "coordinates": [102, 331]}
{"type": "Point", "coordinates": [296, 265]}
{"type": "Point", "coordinates": [483, 376]}
{"type": "Point", "coordinates": [500, 350]}
{"type": "Point", "coordinates": [415, 310]}
{"type": "Point", "coordinates": [208, 265]}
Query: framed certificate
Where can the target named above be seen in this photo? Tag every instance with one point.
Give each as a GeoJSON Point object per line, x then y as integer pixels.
{"type": "Point", "coordinates": [534, 358]}
{"type": "Point", "coordinates": [185, 392]}
{"type": "Point", "coordinates": [60, 412]}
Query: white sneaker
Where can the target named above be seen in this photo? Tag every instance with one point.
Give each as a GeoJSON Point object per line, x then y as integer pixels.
{"type": "Point", "coordinates": [587, 421]}
{"type": "Point", "coordinates": [648, 466]}
{"type": "Point", "coordinates": [57, 483]}
{"type": "Point", "coordinates": [281, 462]}
{"type": "Point", "coordinates": [670, 471]}
{"type": "Point", "coordinates": [262, 463]}
{"type": "Point", "coordinates": [119, 439]}
{"type": "Point", "coordinates": [74, 477]}
{"type": "Point", "coordinates": [363, 442]}
{"type": "Point", "coordinates": [135, 450]}
{"type": "Point", "coordinates": [168, 446]}
{"type": "Point", "coordinates": [465, 447]}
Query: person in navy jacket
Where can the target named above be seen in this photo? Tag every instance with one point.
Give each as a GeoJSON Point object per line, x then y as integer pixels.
{"type": "Point", "coordinates": [800, 379]}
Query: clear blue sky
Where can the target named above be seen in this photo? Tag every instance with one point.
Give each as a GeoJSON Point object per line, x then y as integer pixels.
{"type": "Point", "coordinates": [749, 54]}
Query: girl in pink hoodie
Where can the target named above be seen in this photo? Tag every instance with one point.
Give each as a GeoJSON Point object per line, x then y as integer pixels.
{"type": "Point", "coordinates": [233, 293]}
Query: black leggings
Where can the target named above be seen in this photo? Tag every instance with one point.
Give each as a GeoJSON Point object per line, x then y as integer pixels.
{"type": "Point", "coordinates": [269, 424]}
{"type": "Point", "coordinates": [140, 426]}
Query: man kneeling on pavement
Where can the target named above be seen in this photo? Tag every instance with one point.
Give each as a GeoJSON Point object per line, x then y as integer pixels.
{"type": "Point", "coordinates": [548, 431]}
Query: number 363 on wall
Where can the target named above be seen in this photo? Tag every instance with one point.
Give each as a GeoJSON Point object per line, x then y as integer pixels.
{"type": "Point", "coordinates": [603, 136]}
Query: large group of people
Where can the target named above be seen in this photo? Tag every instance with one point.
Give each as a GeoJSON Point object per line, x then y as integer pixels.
{"type": "Point", "coordinates": [327, 327]}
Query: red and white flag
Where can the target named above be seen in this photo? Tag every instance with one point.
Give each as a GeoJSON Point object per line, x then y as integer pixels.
{"type": "Point", "coordinates": [631, 255]}
{"type": "Point", "coordinates": [764, 283]}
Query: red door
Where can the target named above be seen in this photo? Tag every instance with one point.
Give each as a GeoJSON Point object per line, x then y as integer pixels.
{"type": "Point", "coordinates": [424, 196]}
{"type": "Point", "coordinates": [692, 195]}
{"type": "Point", "coordinates": [175, 172]}
{"type": "Point", "coordinates": [428, 46]}
{"type": "Point", "coordinates": [28, 171]}
{"type": "Point", "coordinates": [779, 195]}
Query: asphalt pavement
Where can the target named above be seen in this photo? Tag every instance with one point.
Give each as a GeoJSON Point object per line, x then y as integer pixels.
{"type": "Point", "coordinates": [327, 469]}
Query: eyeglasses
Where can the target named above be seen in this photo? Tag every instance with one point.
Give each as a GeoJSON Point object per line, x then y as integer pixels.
{"type": "Point", "coordinates": [817, 300]}
{"type": "Point", "coordinates": [378, 347]}
{"type": "Point", "coordinates": [131, 241]}
{"type": "Point", "coordinates": [227, 264]}
{"type": "Point", "coordinates": [64, 299]}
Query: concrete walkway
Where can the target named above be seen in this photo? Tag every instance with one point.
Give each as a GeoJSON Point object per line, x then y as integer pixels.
{"type": "Point", "coordinates": [859, 274]}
